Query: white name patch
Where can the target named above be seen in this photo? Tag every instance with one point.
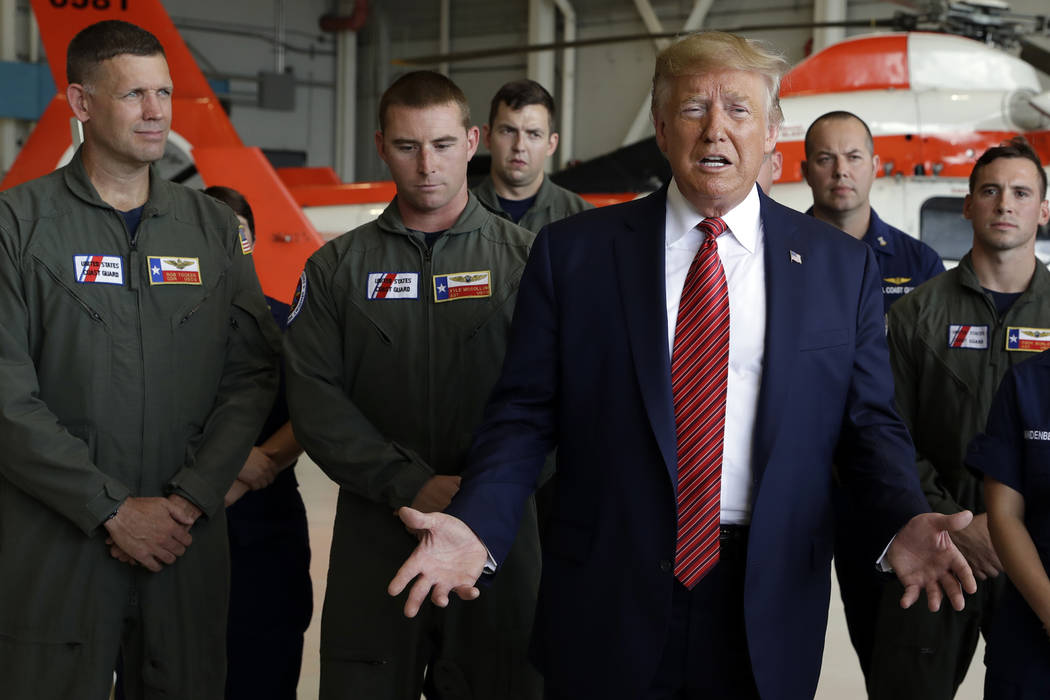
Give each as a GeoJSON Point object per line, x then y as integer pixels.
{"type": "Point", "coordinates": [98, 269]}
{"type": "Point", "coordinates": [393, 285]}
{"type": "Point", "coordinates": [1037, 435]}
{"type": "Point", "coordinates": [969, 337]}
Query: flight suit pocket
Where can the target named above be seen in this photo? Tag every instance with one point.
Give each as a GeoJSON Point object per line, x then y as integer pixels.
{"type": "Point", "coordinates": [200, 332]}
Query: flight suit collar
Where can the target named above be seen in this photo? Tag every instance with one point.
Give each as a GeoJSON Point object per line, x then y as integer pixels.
{"type": "Point", "coordinates": [486, 192]}
{"type": "Point", "coordinates": [1038, 286]}
{"type": "Point", "coordinates": [79, 184]}
{"type": "Point", "coordinates": [472, 218]}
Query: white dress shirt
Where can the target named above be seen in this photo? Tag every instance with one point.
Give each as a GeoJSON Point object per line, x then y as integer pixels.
{"type": "Point", "coordinates": [741, 252]}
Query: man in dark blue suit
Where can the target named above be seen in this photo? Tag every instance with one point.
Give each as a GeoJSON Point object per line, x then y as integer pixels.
{"type": "Point", "coordinates": [589, 369]}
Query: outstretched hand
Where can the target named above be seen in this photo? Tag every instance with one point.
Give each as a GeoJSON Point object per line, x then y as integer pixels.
{"type": "Point", "coordinates": [448, 558]}
{"type": "Point", "coordinates": [924, 558]}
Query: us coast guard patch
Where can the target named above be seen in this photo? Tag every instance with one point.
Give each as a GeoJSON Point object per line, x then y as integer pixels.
{"type": "Point", "coordinates": [298, 298]}
{"type": "Point", "coordinates": [968, 337]}
{"type": "Point", "coordinates": [165, 269]}
{"type": "Point", "coordinates": [98, 269]}
{"type": "Point", "coordinates": [1027, 339]}
{"type": "Point", "coordinates": [393, 285]}
{"type": "Point", "coordinates": [462, 285]}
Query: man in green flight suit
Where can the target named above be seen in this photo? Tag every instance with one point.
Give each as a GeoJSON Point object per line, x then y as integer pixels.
{"type": "Point", "coordinates": [521, 137]}
{"type": "Point", "coordinates": [395, 339]}
{"type": "Point", "coordinates": [951, 341]}
{"type": "Point", "coordinates": [137, 361]}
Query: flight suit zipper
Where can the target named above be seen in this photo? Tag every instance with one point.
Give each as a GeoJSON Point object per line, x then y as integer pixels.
{"type": "Point", "coordinates": [428, 340]}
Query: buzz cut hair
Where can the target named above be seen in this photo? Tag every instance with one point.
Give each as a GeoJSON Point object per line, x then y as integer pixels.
{"type": "Point", "coordinates": [423, 88]}
{"type": "Point", "coordinates": [104, 40]}
{"type": "Point", "coordinates": [838, 115]}
{"type": "Point", "coordinates": [1017, 147]}
{"type": "Point", "coordinates": [522, 93]}
{"type": "Point", "coordinates": [711, 51]}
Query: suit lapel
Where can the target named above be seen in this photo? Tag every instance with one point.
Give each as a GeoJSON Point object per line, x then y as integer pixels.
{"type": "Point", "coordinates": [786, 252]}
{"type": "Point", "coordinates": [640, 261]}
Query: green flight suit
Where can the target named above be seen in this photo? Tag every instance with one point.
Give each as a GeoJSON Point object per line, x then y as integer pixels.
{"type": "Point", "coordinates": [391, 352]}
{"type": "Point", "coordinates": [553, 203]}
{"type": "Point", "coordinates": [112, 386]}
{"type": "Point", "coordinates": [949, 350]}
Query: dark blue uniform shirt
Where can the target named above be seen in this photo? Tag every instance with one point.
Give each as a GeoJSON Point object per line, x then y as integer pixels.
{"type": "Point", "coordinates": [1015, 450]}
{"type": "Point", "coordinates": [904, 262]}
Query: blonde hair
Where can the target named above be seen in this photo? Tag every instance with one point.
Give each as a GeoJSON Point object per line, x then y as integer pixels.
{"type": "Point", "coordinates": [711, 51]}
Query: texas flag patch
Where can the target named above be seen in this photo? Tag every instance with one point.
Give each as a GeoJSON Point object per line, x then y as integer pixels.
{"type": "Point", "coordinates": [462, 285]}
{"type": "Point", "coordinates": [172, 270]}
{"type": "Point", "coordinates": [1027, 339]}
{"type": "Point", "coordinates": [968, 337]}
{"type": "Point", "coordinates": [98, 269]}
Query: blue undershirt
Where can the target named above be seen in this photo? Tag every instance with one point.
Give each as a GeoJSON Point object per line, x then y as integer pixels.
{"type": "Point", "coordinates": [516, 208]}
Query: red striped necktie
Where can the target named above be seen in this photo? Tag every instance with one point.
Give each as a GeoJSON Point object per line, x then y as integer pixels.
{"type": "Point", "coordinates": [699, 369]}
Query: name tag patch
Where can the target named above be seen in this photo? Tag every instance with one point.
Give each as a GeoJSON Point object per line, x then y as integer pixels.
{"type": "Point", "coordinates": [1040, 435]}
{"type": "Point", "coordinates": [969, 337]}
{"type": "Point", "coordinates": [393, 285]}
{"type": "Point", "coordinates": [98, 269]}
{"type": "Point", "coordinates": [172, 270]}
{"type": "Point", "coordinates": [1027, 339]}
{"type": "Point", "coordinates": [462, 285]}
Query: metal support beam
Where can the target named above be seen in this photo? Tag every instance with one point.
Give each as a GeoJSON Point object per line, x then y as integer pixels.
{"type": "Point", "coordinates": [345, 99]}
{"type": "Point", "coordinates": [642, 125]}
{"type": "Point", "coordinates": [445, 34]}
{"type": "Point", "coordinates": [8, 52]}
{"type": "Point", "coordinates": [567, 100]}
{"type": "Point", "coordinates": [828, 11]}
{"type": "Point", "coordinates": [541, 31]}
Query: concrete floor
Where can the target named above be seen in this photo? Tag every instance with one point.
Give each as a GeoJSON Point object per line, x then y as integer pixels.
{"type": "Point", "coordinates": [840, 677]}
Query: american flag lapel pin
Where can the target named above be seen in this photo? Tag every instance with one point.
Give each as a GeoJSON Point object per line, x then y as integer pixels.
{"type": "Point", "coordinates": [795, 257]}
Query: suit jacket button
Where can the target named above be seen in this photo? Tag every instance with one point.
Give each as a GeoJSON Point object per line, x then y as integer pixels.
{"type": "Point", "coordinates": [665, 566]}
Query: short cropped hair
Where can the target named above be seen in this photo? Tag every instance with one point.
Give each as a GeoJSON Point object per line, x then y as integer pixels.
{"type": "Point", "coordinates": [838, 115]}
{"type": "Point", "coordinates": [423, 88]}
{"type": "Point", "coordinates": [522, 93]}
{"type": "Point", "coordinates": [1016, 147]}
{"type": "Point", "coordinates": [710, 51]}
{"type": "Point", "coordinates": [105, 40]}
{"type": "Point", "coordinates": [234, 200]}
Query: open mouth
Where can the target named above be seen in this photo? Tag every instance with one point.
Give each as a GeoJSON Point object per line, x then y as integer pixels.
{"type": "Point", "coordinates": [715, 162]}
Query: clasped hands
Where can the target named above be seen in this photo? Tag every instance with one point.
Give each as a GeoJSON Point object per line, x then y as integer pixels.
{"type": "Point", "coordinates": [151, 531]}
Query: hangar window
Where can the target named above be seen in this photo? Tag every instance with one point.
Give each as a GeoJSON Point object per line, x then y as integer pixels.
{"type": "Point", "coordinates": [943, 228]}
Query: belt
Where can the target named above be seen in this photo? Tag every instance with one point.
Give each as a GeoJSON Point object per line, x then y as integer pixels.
{"type": "Point", "coordinates": [733, 533]}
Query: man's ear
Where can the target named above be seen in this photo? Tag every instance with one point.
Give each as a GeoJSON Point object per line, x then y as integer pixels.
{"type": "Point", "coordinates": [77, 96]}
{"type": "Point", "coordinates": [473, 135]}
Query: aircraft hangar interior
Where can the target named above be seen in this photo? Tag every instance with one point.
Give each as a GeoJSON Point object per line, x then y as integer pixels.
{"type": "Point", "coordinates": [294, 88]}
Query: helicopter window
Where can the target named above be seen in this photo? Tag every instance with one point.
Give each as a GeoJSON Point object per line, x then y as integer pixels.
{"type": "Point", "coordinates": [943, 228]}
